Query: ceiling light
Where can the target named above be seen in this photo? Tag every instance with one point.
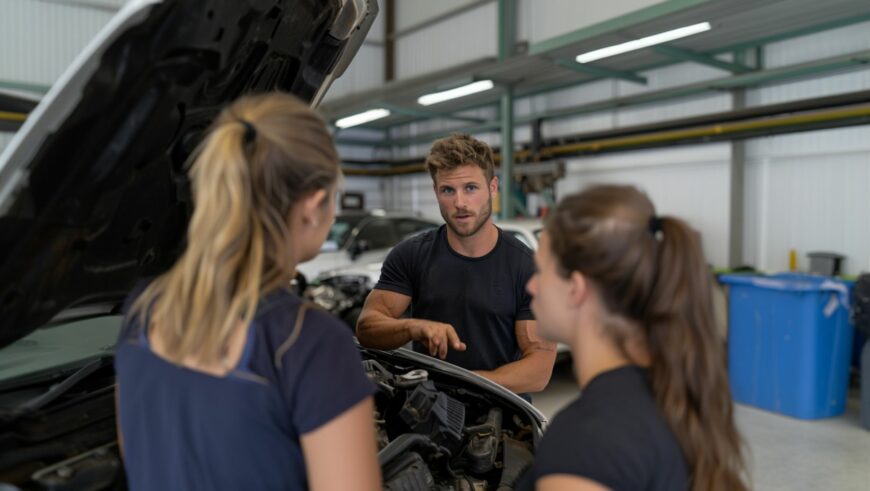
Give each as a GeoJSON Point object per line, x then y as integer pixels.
{"type": "Point", "coordinates": [362, 118]}
{"type": "Point", "coordinates": [462, 91]}
{"type": "Point", "coordinates": [662, 37]}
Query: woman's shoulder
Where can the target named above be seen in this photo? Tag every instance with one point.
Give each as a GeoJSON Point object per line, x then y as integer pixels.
{"type": "Point", "coordinates": [287, 320]}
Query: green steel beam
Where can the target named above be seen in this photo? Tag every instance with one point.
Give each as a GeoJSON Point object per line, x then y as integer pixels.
{"type": "Point", "coordinates": [507, 154]}
{"type": "Point", "coordinates": [687, 55]}
{"type": "Point", "coordinates": [424, 113]}
{"type": "Point", "coordinates": [507, 37]}
{"type": "Point", "coordinates": [601, 72]}
{"type": "Point", "coordinates": [804, 31]}
{"type": "Point", "coordinates": [751, 44]}
{"type": "Point", "coordinates": [745, 80]}
{"type": "Point", "coordinates": [792, 72]}
{"type": "Point", "coordinates": [621, 22]}
{"type": "Point", "coordinates": [507, 28]}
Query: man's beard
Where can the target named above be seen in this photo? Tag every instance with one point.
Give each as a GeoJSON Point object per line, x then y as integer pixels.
{"type": "Point", "coordinates": [483, 216]}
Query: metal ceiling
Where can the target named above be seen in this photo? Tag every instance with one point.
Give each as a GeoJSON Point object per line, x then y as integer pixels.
{"type": "Point", "coordinates": [737, 25]}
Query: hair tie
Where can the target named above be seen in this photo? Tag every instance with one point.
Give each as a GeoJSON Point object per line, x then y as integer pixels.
{"type": "Point", "coordinates": [250, 131]}
{"type": "Point", "coordinates": [655, 225]}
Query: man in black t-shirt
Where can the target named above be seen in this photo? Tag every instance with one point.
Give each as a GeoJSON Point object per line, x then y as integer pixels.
{"type": "Point", "coordinates": [465, 282]}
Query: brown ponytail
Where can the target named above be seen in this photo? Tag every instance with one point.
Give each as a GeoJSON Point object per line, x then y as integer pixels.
{"type": "Point", "coordinates": [651, 270]}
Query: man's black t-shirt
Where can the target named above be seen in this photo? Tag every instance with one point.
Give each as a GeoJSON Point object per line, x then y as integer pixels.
{"type": "Point", "coordinates": [614, 434]}
{"type": "Point", "coordinates": [481, 297]}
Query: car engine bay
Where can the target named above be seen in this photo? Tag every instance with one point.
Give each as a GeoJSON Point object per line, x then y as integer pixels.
{"type": "Point", "coordinates": [435, 430]}
{"type": "Point", "coordinates": [438, 433]}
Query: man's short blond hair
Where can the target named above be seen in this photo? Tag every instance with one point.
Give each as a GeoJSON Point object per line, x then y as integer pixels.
{"type": "Point", "coordinates": [458, 150]}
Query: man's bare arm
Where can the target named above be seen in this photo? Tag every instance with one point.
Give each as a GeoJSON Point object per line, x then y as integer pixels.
{"type": "Point", "coordinates": [532, 372]}
{"type": "Point", "coordinates": [380, 326]}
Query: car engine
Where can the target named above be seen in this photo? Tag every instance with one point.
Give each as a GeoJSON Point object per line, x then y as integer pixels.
{"type": "Point", "coordinates": [341, 295]}
{"type": "Point", "coordinates": [435, 430]}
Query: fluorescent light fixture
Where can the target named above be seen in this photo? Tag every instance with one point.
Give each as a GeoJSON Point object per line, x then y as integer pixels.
{"type": "Point", "coordinates": [662, 37]}
{"type": "Point", "coordinates": [362, 118]}
{"type": "Point", "coordinates": [472, 88]}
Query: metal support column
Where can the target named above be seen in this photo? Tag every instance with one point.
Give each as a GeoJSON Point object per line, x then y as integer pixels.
{"type": "Point", "coordinates": [507, 33]}
{"type": "Point", "coordinates": [736, 171]}
{"type": "Point", "coordinates": [507, 153]}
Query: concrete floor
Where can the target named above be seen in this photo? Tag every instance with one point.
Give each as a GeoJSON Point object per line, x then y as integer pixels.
{"type": "Point", "coordinates": [783, 453]}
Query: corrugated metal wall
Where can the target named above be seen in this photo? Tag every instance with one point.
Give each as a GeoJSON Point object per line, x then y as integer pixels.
{"type": "Point", "coordinates": [689, 182]}
{"type": "Point", "coordinates": [40, 39]}
{"type": "Point", "coordinates": [464, 38]}
{"type": "Point", "coordinates": [810, 191]}
{"type": "Point", "coordinates": [543, 19]}
{"type": "Point", "coordinates": [366, 71]}
{"type": "Point", "coordinates": [5, 138]}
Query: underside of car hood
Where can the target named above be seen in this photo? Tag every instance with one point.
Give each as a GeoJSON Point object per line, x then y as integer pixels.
{"type": "Point", "coordinates": [93, 189]}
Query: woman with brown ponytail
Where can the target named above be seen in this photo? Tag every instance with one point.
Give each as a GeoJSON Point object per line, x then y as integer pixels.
{"type": "Point", "coordinates": [630, 293]}
{"type": "Point", "coordinates": [226, 380]}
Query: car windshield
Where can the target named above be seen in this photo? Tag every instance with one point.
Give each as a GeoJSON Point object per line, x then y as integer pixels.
{"type": "Point", "coordinates": [60, 347]}
{"type": "Point", "coordinates": [340, 232]}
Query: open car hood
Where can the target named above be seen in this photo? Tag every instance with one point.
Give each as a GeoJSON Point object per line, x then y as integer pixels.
{"type": "Point", "coordinates": [93, 190]}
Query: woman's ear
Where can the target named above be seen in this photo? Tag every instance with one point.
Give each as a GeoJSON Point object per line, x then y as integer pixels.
{"type": "Point", "coordinates": [578, 289]}
{"type": "Point", "coordinates": [311, 207]}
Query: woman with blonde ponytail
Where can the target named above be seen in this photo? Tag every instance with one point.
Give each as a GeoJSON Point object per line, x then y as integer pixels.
{"type": "Point", "coordinates": [226, 380]}
{"type": "Point", "coordinates": [629, 291]}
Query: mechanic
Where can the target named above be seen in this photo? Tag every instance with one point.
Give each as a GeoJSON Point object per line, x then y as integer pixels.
{"type": "Point", "coordinates": [629, 292]}
{"type": "Point", "coordinates": [226, 380]}
{"type": "Point", "coordinates": [464, 282]}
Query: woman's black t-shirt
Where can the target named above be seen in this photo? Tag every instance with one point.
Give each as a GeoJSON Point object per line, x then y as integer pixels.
{"type": "Point", "coordinates": [613, 434]}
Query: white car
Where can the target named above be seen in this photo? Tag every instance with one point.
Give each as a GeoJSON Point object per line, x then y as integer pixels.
{"type": "Point", "coordinates": [363, 237]}
{"type": "Point", "coordinates": [528, 231]}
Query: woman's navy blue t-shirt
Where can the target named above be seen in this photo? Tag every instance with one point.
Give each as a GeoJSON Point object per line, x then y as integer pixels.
{"type": "Point", "coordinates": [185, 429]}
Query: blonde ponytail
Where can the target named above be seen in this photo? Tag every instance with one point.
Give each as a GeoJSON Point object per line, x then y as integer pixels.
{"type": "Point", "coordinates": [262, 155]}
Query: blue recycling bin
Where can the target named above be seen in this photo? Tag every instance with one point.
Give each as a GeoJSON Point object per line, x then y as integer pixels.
{"type": "Point", "coordinates": [789, 343]}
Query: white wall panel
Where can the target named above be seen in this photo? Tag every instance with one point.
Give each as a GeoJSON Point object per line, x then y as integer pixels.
{"type": "Point", "coordinates": [366, 71]}
{"type": "Point", "coordinates": [582, 124]}
{"type": "Point", "coordinates": [40, 39]}
{"type": "Point", "coordinates": [415, 193]}
{"type": "Point", "coordinates": [683, 108]}
{"type": "Point", "coordinates": [808, 192]}
{"type": "Point", "coordinates": [378, 31]}
{"type": "Point", "coordinates": [412, 12]}
{"type": "Point", "coordinates": [544, 19]}
{"type": "Point", "coordinates": [5, 138]}
{"type": "Point", "coordinates": [573, 96]}
{"type": "Point", "coordinates": [464, 38]}
{"type": "Point", "coordinates": [687, 182]}
{"type": "Point", "coordinates": [806, 89]}
{"type": "Point", "coordinates": [372, 189]}
{"type": "Point", "coordinates": [820, 45]}
{"type": "Point", "coordinates": [670, 76]}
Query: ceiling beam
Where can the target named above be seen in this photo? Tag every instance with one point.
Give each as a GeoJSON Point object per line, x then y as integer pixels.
{"type": "Point", "coordinates": [803, 31]}
{"type": "Point", "coordinates": [704, 59]}
{"type": "Point", "coordinates": [761, 77]}
{"type": "Point", "coordinates": [429, 114]}
{"type": "Point", "coordinates": [601, 72]}
{"type": "Point", "coordinates": [659, 10]}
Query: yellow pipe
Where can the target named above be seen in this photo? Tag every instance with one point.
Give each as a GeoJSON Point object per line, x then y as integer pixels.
{"type": "Point", "coordinates": [660, 137]}
{"type": "Point", "coordinates": [715, 130]}
{"type": "Point", "coordinates": [7, 116]}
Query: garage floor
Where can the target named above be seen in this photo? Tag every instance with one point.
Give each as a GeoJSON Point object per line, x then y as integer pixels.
{"type": "Point", "coordinates": [784, 453]}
